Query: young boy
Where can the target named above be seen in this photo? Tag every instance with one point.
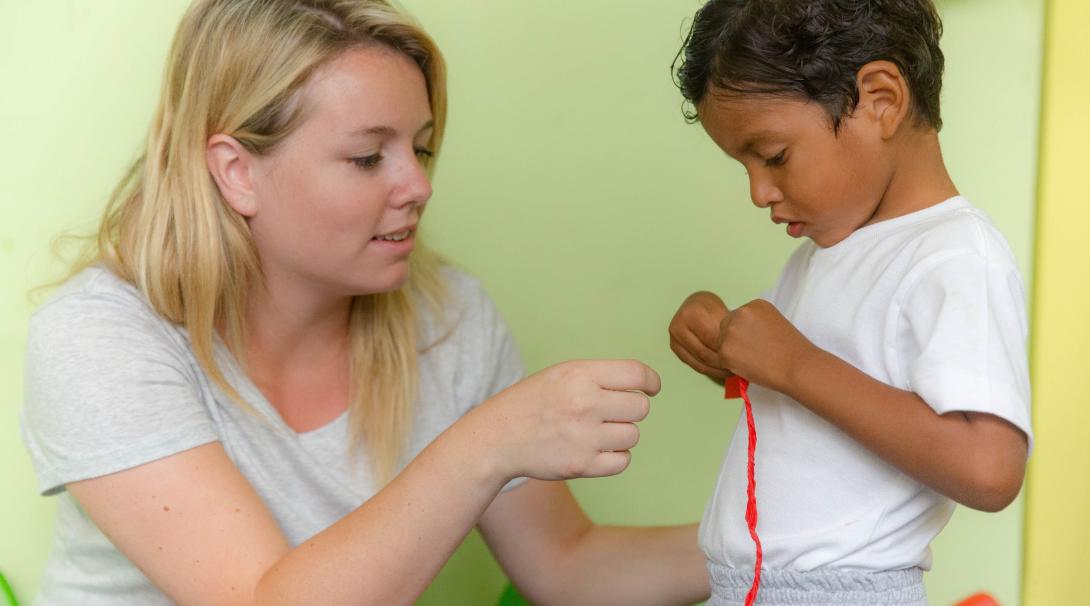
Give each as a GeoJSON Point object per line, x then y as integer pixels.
{"type": "Point", "coordinates": [887, 366]}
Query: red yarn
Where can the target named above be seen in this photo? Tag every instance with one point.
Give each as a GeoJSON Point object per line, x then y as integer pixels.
{"type": "Point", "coordinates": [735, 387]}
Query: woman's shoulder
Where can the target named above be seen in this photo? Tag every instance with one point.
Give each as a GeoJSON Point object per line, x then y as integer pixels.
{"type": "Point", "coordinates": [460, 294]}
{"type": "Point", "coordinates": [466, 302]}
{"type": "Point", "coordinates": [465, 316]}
{"type": "Point", "coordinates": [94, 310]}
{"type": "Point", "coordinates": [108, 383]}
{"type": "Point", "coordinates": [94, 289]}
{"type": "Point", "coordinates": [461, 285]}
{"type": "Point", "coordinates": [473, 347]}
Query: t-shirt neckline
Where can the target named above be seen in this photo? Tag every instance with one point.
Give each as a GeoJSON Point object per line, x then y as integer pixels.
{"type": "Point", "coordinates": [868, 232]}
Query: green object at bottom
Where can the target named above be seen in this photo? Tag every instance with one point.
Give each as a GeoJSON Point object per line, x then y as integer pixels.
{"type": "Point", "coordinates": [8, 596]}
{"type": "Point", "coordinates": [511, 597]}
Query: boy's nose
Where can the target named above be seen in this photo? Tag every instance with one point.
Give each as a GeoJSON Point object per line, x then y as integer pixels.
{"type": "Point", "coordinates": [763, 192]}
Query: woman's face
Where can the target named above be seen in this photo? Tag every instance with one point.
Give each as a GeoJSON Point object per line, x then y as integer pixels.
{"type": "Point", "coordinates": [338, 202]}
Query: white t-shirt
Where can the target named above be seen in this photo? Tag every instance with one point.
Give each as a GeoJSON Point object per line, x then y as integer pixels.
{"type": "Point", "coordinates": [110, 385]}
{"type": "Point", "coordinates": [930, 302]}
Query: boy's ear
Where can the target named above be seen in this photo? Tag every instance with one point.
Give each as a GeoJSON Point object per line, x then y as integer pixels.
{"type": "Point", "coordinates": [230, 165]}
{"type": "Point", "coordinates": [884, 95]}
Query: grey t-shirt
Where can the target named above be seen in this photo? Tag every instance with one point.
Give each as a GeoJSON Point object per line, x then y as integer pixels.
{"type": "Point", "coordinates": [111, 385]}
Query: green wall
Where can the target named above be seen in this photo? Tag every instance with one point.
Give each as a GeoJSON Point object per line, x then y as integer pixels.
{"type": "Point", "coordinates": [569, 184]}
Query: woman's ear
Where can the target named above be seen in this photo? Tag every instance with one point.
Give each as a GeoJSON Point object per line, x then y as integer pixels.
{"type": "Point", "coordinates": [231, 165]}
{"type": "Point", "coordinates": [884, 96]}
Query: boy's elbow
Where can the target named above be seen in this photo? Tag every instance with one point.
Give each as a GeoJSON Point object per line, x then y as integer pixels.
{"type": "Point", "coordinates": [993, 500]}
{"type": "Point", "coordinates": [993, 490]}
{"type": "Point", "coordinates": [993, 465]}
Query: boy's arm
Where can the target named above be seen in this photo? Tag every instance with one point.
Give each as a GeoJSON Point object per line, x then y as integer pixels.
{"type": "Point", "coordinates": [975, 459]}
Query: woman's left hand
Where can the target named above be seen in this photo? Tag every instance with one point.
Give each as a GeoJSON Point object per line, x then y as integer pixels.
{"type": "Point", "coordinates": [758, 343]}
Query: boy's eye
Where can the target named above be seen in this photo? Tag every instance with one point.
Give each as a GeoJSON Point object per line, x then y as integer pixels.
{"type": "Point", "coordinates": [367, 161]}
{"type": "Point", "coordinates": [776, 160]}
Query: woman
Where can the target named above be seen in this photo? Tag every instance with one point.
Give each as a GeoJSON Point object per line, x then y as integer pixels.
{"type": "Point", "coordinates": [261, 389]}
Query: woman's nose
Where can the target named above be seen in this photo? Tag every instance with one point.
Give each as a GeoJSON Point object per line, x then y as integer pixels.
{"type": "Point", "coordinates": [413, 186]}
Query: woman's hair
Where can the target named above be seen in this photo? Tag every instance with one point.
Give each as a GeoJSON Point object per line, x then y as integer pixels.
{"type": "Point", "coordinates": [238, 67]}
{"type": "Point", "coordinates": [811, 50]}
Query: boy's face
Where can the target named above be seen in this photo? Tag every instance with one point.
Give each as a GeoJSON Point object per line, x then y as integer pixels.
{"type": "Point", "coordinates": [822, 185]}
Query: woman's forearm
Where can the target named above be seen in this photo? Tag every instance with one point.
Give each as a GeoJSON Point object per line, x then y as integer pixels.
{"type": "Point", "coordinates": [389, 549]}
{"type": "Point", "coordinates": [630, 565]}
{"type": "Point", "coordinates": [575, 419]}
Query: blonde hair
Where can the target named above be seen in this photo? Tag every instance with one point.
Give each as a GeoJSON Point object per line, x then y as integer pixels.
{"type": "Point", "coordinates": [237, 67]}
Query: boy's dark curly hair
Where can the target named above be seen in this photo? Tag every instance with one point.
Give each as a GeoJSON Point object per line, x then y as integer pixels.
{"type": "Point", "coordinates": [811, 49]}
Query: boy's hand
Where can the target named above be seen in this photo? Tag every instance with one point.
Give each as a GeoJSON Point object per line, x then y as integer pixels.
{"type": "Point", "coordinates": [694, 334]}
{"type": "Point", "coordinates": [758, 343]}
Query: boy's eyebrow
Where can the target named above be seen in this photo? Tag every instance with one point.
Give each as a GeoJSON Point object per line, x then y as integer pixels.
{"type": "Point", "coordinates": [754, 138]}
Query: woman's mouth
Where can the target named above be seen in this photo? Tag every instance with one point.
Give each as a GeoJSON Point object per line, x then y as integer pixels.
{"type": "Point", "coordinates": [395, 237]}
{"type": "Point", "coordinates": [397, 243]}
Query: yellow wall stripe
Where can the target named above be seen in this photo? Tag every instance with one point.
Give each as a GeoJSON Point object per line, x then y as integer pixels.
{"type": "Point", "coordinates": [1058, 487]}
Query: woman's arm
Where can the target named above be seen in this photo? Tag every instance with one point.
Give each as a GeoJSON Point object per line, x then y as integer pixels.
{"type": "Point", "coordinates": [194, 525]}
{"type": "Point", "coordinates": [200, 532]}
{"type": "Point", "coordinates": [555, 555]}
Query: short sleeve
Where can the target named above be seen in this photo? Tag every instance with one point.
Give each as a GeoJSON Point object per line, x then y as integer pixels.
{"type": "Point", "coordinates": [487, 357]}
{"type": "Point", "coordinates": [963, 338]}
{"type": "Point", "coordinates": [507, 366]}
{"type": "Point", "coordinates": [107, 388]}
{"type": "Point", "coordinates": [490, 360]}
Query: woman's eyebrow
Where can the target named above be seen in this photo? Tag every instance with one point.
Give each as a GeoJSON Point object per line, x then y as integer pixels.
{"type": "Point", "coordinates": [385, 131]}
{"type": "Point", "coordinates": [365, 131]}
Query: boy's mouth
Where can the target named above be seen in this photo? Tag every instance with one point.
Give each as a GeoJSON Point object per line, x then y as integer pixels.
{"type": "Point", "coordinates": [794, 228]}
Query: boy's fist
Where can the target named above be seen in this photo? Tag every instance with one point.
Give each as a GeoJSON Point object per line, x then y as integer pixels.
{"type": "Point", "coordinates": [758, 343]}
{"type": "Point", "coordinates": [695, 334]}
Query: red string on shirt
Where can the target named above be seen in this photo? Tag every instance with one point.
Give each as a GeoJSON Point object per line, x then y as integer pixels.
{"type": "Point", "coordinates": [739, 387]}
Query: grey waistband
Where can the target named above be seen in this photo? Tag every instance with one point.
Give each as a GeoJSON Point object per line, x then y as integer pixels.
{"type": "Point", "coordinates": [818, 588]}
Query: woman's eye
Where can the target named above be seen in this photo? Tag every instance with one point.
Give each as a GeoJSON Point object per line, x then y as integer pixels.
{"type": "Point", "coordinates": [776, 160]}
{"type": "Point", "coordinates": [423, 153]}
{"type": "Point", "coordinates": [367, 161]}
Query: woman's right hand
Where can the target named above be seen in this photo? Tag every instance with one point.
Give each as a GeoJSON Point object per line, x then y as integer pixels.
{"type": "Point", "coordinates": [573, 420]}
{"type": "Point", "coordinates": [694, 334]}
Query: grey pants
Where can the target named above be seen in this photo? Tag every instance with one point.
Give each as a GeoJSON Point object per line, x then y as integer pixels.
{"type": "Point", "coordinates": [828, 587]}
